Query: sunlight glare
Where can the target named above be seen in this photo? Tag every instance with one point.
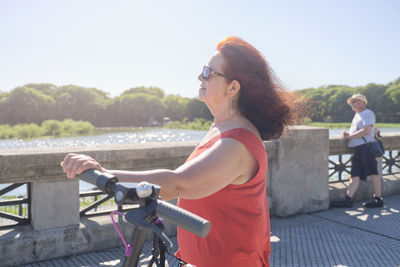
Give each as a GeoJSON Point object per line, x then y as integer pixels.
{"type": "Point", "coordinates": [363, 217]}
{"type": "Point", "coordinates": [274, 238]}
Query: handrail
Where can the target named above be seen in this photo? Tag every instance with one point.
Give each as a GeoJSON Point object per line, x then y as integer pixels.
{"type": "Point", "coordinates": [39, 167]}
{"type": "Point", "coordinates": [338, 147]}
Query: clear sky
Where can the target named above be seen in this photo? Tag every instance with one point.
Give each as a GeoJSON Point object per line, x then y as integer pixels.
{"type": "Point", "coordinates": [116, 45]}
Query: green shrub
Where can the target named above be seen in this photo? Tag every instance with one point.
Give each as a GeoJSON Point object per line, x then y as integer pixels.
{"type": "Point", "coordinates": [305, 121]}
{"type": "Point", "coordinates": [26, 131]}
{"type": "Point", "coordinates": [197, 124]}
{"type": "Point", "coordinates": [68, 126]}
{"type": "Point", "coordinates": [52, 127]}
{"type": "Point", "coordinates": [48, 128]}
{"type": "Point", "coordinates": [6, 131]}
{"type": "Point", "coordinates": [82, 128]}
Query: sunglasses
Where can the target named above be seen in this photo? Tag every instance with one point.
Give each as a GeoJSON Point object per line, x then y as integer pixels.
{"type": "Point", "coordinates": [208, 71]}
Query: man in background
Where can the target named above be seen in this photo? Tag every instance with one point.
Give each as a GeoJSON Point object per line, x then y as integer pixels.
{"type": "Point", "coordinates": [363, 162]}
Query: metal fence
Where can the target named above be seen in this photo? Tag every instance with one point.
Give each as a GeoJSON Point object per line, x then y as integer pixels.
{"type": "Point", "coordinates": [15, 210]}
{"type": "Point", "coordinates": [95, 202]}
{"type": "Point", "coordinates": [340, 165]}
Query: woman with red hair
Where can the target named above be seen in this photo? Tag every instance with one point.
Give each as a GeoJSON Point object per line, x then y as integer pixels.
{"type": "Point", "coordinates": [224, 179]}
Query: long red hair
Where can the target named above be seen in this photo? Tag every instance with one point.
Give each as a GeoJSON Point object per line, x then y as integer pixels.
{"type": "Point", "coordinates": [262, 99]}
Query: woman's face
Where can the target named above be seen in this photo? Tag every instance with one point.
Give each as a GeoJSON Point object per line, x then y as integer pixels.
{"type": "Point", "coordinates": [213, 91]}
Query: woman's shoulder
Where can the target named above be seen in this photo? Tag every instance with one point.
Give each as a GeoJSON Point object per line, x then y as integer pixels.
{"type": "Point", "coordinates": [242, 126]}
{"type": "Point", "coordinates": [233, 129]}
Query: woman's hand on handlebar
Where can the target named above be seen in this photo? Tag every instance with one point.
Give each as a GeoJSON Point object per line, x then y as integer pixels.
{"type": "Point", "coordinates": [74, 164]}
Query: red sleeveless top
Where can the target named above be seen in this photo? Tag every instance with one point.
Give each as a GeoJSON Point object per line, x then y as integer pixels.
{"type": "Point", "coordinates": [239, 216]}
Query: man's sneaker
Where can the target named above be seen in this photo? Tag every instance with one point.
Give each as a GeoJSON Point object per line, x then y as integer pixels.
{"type": "Point", "coordinates": [376, 202]}
{"type": "Point", "coordinates": [346, 202]}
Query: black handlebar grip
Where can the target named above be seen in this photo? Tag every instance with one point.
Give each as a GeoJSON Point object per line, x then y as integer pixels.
{"type": "Point", "coordinates": [101, 179]}
{"type": "Point", "coordinates": [90, 176]}
{"type": "Point", "coordinates": [183, 218]}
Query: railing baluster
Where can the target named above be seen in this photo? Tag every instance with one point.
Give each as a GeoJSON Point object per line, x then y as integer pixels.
{"type": "Point", "coordinates": [98, 205]}
{"type": "Point", "coordinates": [12, 209]}
{"type": "Point", "coordinates": [390, 165]}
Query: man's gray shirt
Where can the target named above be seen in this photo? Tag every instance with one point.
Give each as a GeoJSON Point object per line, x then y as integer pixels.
{"type": "Point", "coordinates": [360, 120]}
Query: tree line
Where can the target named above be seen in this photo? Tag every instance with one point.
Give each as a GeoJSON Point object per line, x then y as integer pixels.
{"type": "Point", "coordinates": [139, 106]}
{"type": "Point", "coordinates": [329, 103]}
{"type": "Point", "coordinates": [144, 106]}
{"type": "Point", "coordinates": [54, 128]}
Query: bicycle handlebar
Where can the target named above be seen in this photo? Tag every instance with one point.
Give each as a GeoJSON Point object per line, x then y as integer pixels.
{"type": "Point", "coordinates": [183, 218]}
{"type": "Point", "coordinates": [104, 181]}
{"type": "Point", "coordinates": [108, 183]}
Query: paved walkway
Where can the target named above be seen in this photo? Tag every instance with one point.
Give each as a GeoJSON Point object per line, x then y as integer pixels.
{"type": "Point", "coordinates": [338, 237]}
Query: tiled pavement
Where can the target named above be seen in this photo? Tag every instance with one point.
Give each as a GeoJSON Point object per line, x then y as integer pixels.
{"type": "Point", "coordinates": [336, 237]}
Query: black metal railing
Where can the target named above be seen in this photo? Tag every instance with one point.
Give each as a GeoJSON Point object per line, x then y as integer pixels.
{"type": "Point", "coordinates": [340, 165]}
{"type": "Point", "coordinates": [16, 210]}
{"type": "Point", "coordinates": [391, 162]}
{"type": "Point", "coordinates": [338, 170]}
{"type": "Point", "coordinates": [93, 203]}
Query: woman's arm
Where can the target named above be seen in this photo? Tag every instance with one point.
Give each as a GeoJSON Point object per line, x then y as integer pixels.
{"type": "Point", "coordinates": [358, 134]}
{"type": "Point", "coordinates": [224, 163]}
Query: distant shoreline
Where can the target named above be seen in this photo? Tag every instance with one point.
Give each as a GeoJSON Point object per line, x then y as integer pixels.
{"type": "Point", "coordinates": [201, 125]}
{"type": "Point", "coordinates": [337, 125]}
{"type": "Point", "coordinates": [143, 135]}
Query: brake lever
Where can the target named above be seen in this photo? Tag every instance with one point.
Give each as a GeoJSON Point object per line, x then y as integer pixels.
{"type": "Point", "coordinates": [140, 218]}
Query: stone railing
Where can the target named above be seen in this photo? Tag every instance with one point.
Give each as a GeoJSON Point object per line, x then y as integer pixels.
{"type": "Point", "coordinates": [297, 182]}
{"type": "Point", "coordinates": [391, 141]}
{"type": "Point", "coordinates": [388, 167]}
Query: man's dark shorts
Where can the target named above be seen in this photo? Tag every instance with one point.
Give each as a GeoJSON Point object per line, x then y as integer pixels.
{"type": "Point", "coordinates": [363, 162]}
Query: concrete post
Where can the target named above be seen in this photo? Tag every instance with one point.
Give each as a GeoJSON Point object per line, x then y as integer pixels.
{"type": "Point", "coordinates": [55, 204]}
{"type": "Point", "coordinates": [301, 181]}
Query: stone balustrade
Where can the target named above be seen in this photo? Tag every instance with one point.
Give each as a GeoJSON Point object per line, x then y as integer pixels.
{"type": "Point", "coordinates": [337, 145]}
{"type": "Point", "coordinates": [390, 183]}
{"type": "Point", "coordinates": [297, 182]}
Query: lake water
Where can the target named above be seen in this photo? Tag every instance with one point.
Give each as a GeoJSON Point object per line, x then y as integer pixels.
{"type": "Point", "coordinates": [383, 130]}
{"type": "Point", "coordinates": [146, 136]}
